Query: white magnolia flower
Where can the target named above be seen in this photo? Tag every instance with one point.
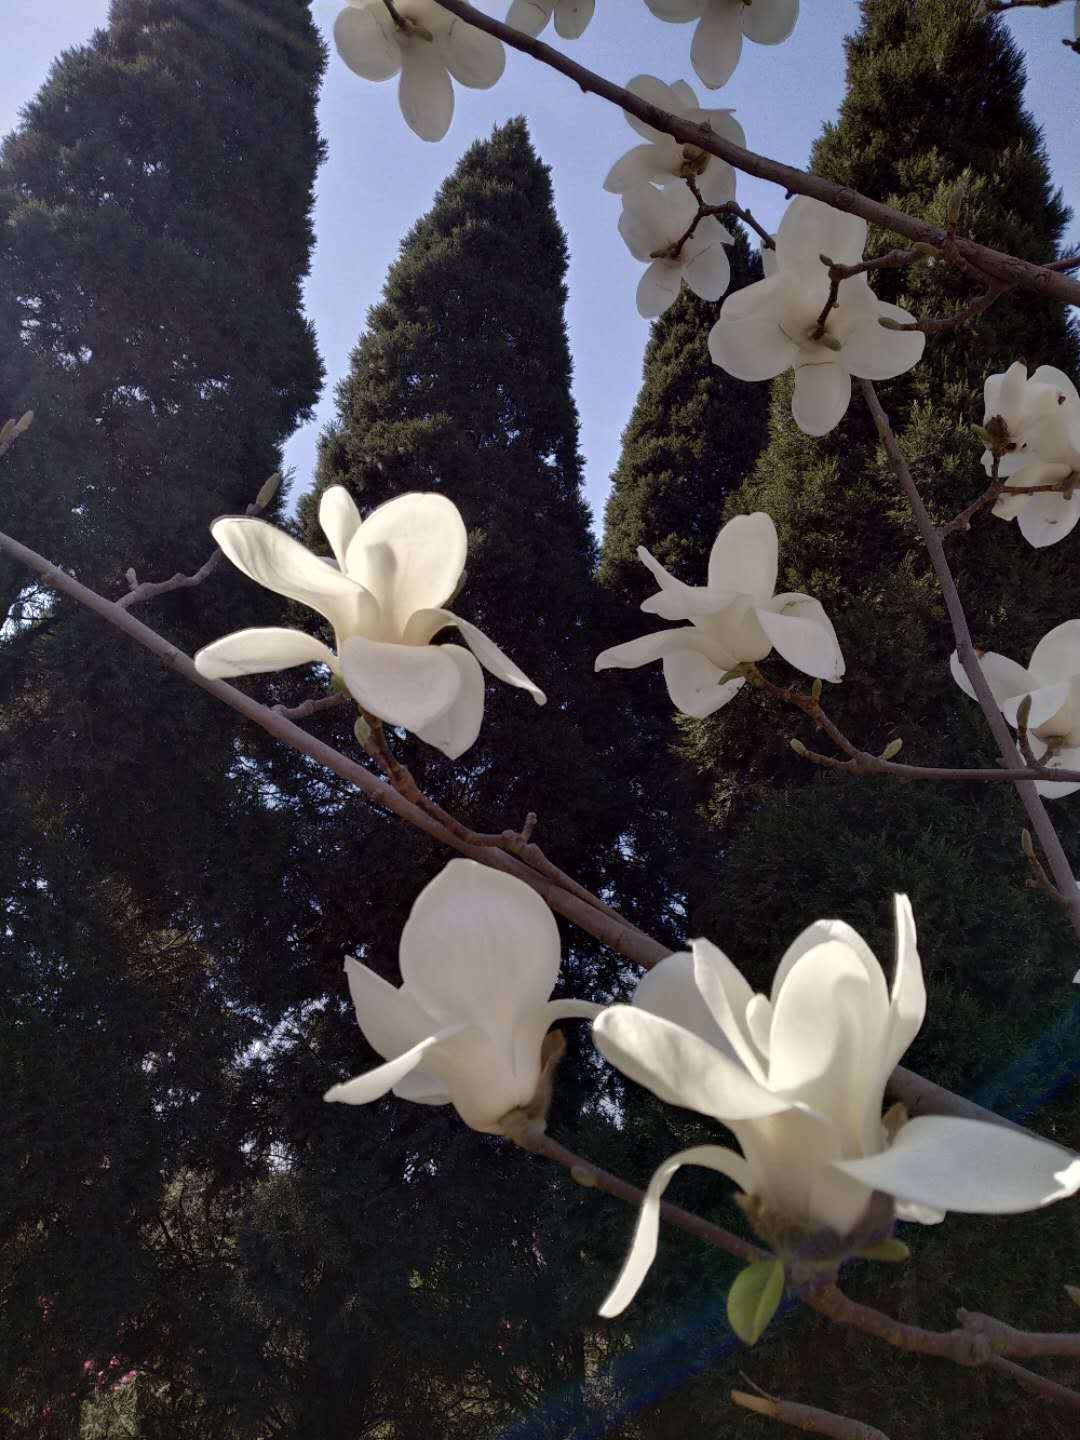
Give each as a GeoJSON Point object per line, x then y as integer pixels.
{"type": "Point", "coordinates": [383, 594]}
{"type": "Point", "coordinates": [665, 161]}
{"type": "Point", "coordinates": [722, 24]}
{"type": "Point", "coordinates": [427, 48]}
{"type": "Point", "coordinates": [768, 327]}
{"type": "Point", "coordinates": [479, 957]}
{"type": "Point", "coordinates": [799, 1078]}
{"type": "Point", "coordinates": [1052, 679]}
{"type": "Point", "coordinates": [571, 16]}
{"type": "Point", "coordinates": [734, 619]}
{"type": "Point", "coordinates": [652, 223]}
{"type": "Point", "coordinates": [1042, 416]}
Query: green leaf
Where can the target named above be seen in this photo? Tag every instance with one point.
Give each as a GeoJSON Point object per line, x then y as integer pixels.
{"type": "Point", "coordinates": [891, 1251]}
{"type": "Point", "coordinates": [753, 1298]}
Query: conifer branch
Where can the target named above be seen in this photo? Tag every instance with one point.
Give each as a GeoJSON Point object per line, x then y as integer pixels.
{"type": "Point", "coordinates": [990, 264]}
{"type": "Point", "coordinates": [1029, 796]}
{"type": "Point", "coordinates": [807, 1417]}
{"type": "Point", "coordinates": [149, 588]}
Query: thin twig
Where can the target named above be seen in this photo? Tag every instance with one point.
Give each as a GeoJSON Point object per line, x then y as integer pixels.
{"type": "Point", "coordinates": [1018, 1344]}
{"type": "Point", "coordinates": [149, 588]}
{"type": "Point", "coordinates": [1029, 796]}
{"type": "Point", "coordinates": [808, 1417]}
{"type": "Point", "coordinates": [312, 707]}
{"type": "Point", "coordinates": [992, 264]}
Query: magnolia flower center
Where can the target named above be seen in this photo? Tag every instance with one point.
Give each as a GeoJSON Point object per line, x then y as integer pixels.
{"type": "Point", "coordinates": [694, 162]}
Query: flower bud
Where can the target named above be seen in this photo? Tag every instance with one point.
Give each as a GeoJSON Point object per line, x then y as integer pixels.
{"type": "Point", "coordinates": [892, 749]}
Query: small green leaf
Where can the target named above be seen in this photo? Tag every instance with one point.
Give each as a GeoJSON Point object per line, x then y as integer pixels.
{"type": "Point", "coordinates": [753, 1298]}
{"type": "Point", "coordinates": [892, 749]}
{"type": "Point", "coordinates": [891, 1251]}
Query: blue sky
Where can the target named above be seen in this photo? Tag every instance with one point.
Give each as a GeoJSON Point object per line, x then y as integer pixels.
{"type": "Point", "coordinates": [379, 177]}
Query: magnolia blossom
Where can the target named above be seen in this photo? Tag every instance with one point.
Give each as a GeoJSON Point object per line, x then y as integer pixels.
{"type": "Point", "coordinates": [799, 1078]}
{"type": "Point", "coordinates": [722, 24]}
{"type": "Point", "coordinates": [427, 48]}
{"type": "Point", "coordinates": [665, 161]}
{"type": "Point", "coordinates": [383, 594]}
{"type": "Point", "coordinates": [734, 619]}
{"type": "Point", "coordinates": [771, 326]}
{"type": "Point", "coordinates": [1042, 416]}
{"type": "Point", "coordinates": [479, 958]}
{"type": "Point", "coordinates": [571, 16]}
{"type": "Point", "coordinates": [1052, 679]}
{"type": "Point", "coordinates": [654, 224]}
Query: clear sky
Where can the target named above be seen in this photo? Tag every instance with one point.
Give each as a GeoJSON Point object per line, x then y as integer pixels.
{"type": "Point", "coordinates": [379, 177]}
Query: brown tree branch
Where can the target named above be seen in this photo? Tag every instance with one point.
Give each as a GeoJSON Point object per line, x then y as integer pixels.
{"type": "Point", "coordinates": [807, 1417]}
{"type": "Point", "coordinates": [1018, 1344]}
{"type": "Point", "coordinates": [989, 263]}
{"type": "Point", "coordinates": [1029, 796]}
{"type": "Point", "coordinates": [315, 706]}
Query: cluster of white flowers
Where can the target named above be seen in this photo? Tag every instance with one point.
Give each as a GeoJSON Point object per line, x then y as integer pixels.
{"type": "Point", "coordinates": [721, 28]}
{"type": "Point", "coordinates": [1041, 416]}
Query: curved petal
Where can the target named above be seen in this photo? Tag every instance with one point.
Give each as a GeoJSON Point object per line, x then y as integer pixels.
{"type": "Point", "coordinates": [721, 122]}
{"type": "Point", "coordinates": [276, 561]}
{"type": "Point", "coordinates": [670, 991]}
{"type": "Point", "coordinates": [709, 273]}
{"type": "Point", "coordinates": [373, 1086]}
{"type": "Point", "coordinates": [755, 348]}
{"type": "Point", "coordinates": [717, 43]}
{"type": "Point", "coordinates": [759, 1022]}
{"type": "Point", "coordinates": [677, 601]}
{"type": "Point", "coordinates": [1007, 680]}
{"type": "Point", "coordinates": [1066, 759]}
{"type": "Point", "coordinates": [658, 288]}
{"type": "Point", "coordinates": [1046, 702]}
{"type": "Point", "coordinates": [473, 57]}
{"type": "Point", "coordinates": [644, 164]}
{"type": "Point", "coordinates": [529, 16]}
{"type": "Point", "coordinates": [646, 649]}
{"type": "Point", "coordinates": [367, 43]}
{"type": "Point", "coordinates": [770, 23]}
{"type": "Point", "coordinates": [480, 946]}
{"type": "Point", "coordinates": [654, 92]}
{"type": "Point", "coordinates": [1048, 517]}
{"type": "Point", "coordinates": [821, 398]}
{"type": "Point", "coordinates": [745, 556]}
{"type": "Point", "coordinates": [389, 1018]}
{"type": "Point", "coordinates": [339, 520]}
{"type": "Point", "coordinates": [980, 1169]}
{"type": "Point", "coordinates": [529, 1035]}
{"type": "Point", "coordinates": [879, 354]}
{"type": "Point", "coordinates": [572, 17]}
{"type": "Point", "coordinates": [422, 1087]}
{"type": "Point", "coordinates": [770, 293]}
{"type": "Point", "coordinates": [425, 623]}
{"type": "Point", "coordinates": [425, 94]}
{"type": "Point", "coordinates": [907, 1010]}
{"type": "Point", "coordinates": [824, 932]}
{"type": "Point", "coordinates": [810, 229]}
{"type": "Point", "coordinates": [252, 652]}
{"type": "Point", "coordinates": [643, 1247]}
{"type": "Point", "coordinates": [407, 685]}
{"type": "Point", "coordinates": [725, 991]}
{"type": "Point", "coordinates": [680, 1068]}
{"type": "Point", "coordinates": [696, 685]}
{"type": "Point", "coordinates": [457, 728]}
{"type": "Point", "coordinates": [803, 634]}
{"type": "Point", "coordinates": [1057, 655]}
{"type": "Point", "coordinates": [1051, 375]}
{"type": "Point", "coordinates": [410, 553]}
{"type": "Point", "coordinates": [643, 223]}
{"type": "Point", "coordinates": [717, 185]}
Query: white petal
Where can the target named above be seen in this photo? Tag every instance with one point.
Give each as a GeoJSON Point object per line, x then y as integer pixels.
{"type": "Point", "coordinates": [1006, 679]}
{"type": "Point", "coordinates": [367, 44]}
{"type": "Point", "coordinates": [423, 624]}
{"type": "Point", "coordinates": [1067, 759]}
{"type": "Point", "coordinates": [457, 728]}
{"type": "Point", "coordinates": [408, 685]}
{"type": "Point", "coordinates": [1047, 518]}
{"type": "Point", "coordinates": [803, 634]}
{"type": "Point", "coordinates": [980, 1169]}
{"type": "Point", "coordinates": [745, 556]}
{"type": "Point", "coordinates": [823, 932]}
{"type": "Point", "coordinates": [473, 57]}
{"type": "Point", "coordinates": [572, 17]}
{"type": "Point", "coordinates": [676, 601]}
{"type": "Point", "coordinates": [372, 1086]}
{"type": "Point", "coordinates": [709, 273]}
{"type": "Point", "coordinates": [1051, 375]}
{"type": "Point", "coordinates": [339, 519]}
{"type": "Point", "coordinates": [878, 354]}
{"type": "Point", "coordinates": [251, 652]}
{"type": "Point", "coordinates": [679, 1067]}
{"type": "Point", "coordinates": [410, 553]}
{"type": "Point", "coordinates": [389, 1017]}
{"type": "Point", "coordinates": [717, 43]}
{"type": "Point", "coordinates": [425, 94]}
{"type": "Point", "coordinates": [696, 684]}
{"type": "Point", "coordinates": [821, 398]}
{"type": "Point", "coordinates": [482, 947]}
{"type": "Point", "coordinates": [646, 648]}
{"type": "Point", "coordinates": [771, 22]}
{"type": "Point", "coordinates": [727, 994]}
{"type": "Point", "coordinates": [643, 1247]}
{"type": "Point", "coordinates": [670, 991]}
{"type": "Point", "coordinates": [810, 229]}
{"type": "Point", "coordinates": [422, 1087]}
{"type": "Point", "coordinates": [722, 123]}
{"type": "Point", "coordinates": [643, 223]}
{"type": "Point", "coordinates": [754, 348]}
{"type": "Point", "coordinates": [529, 16]}
{"type": "Point", "coordinates": [643, 164]}
{"type": "Point", "coordinates": [1057, 655]}
{"type": "Point", "coordinates": [531, 1029]}
{"type": "Point", "coordinates": [658, 288]}
{"type": "Point", "coordinates": [653, 92]}
{"type": "Point", "coordinates": [275, 560]}
{"type": "Point", "coordinates": [717, 185]}
{"type": "Point", "coordinates": [1046, 703]}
